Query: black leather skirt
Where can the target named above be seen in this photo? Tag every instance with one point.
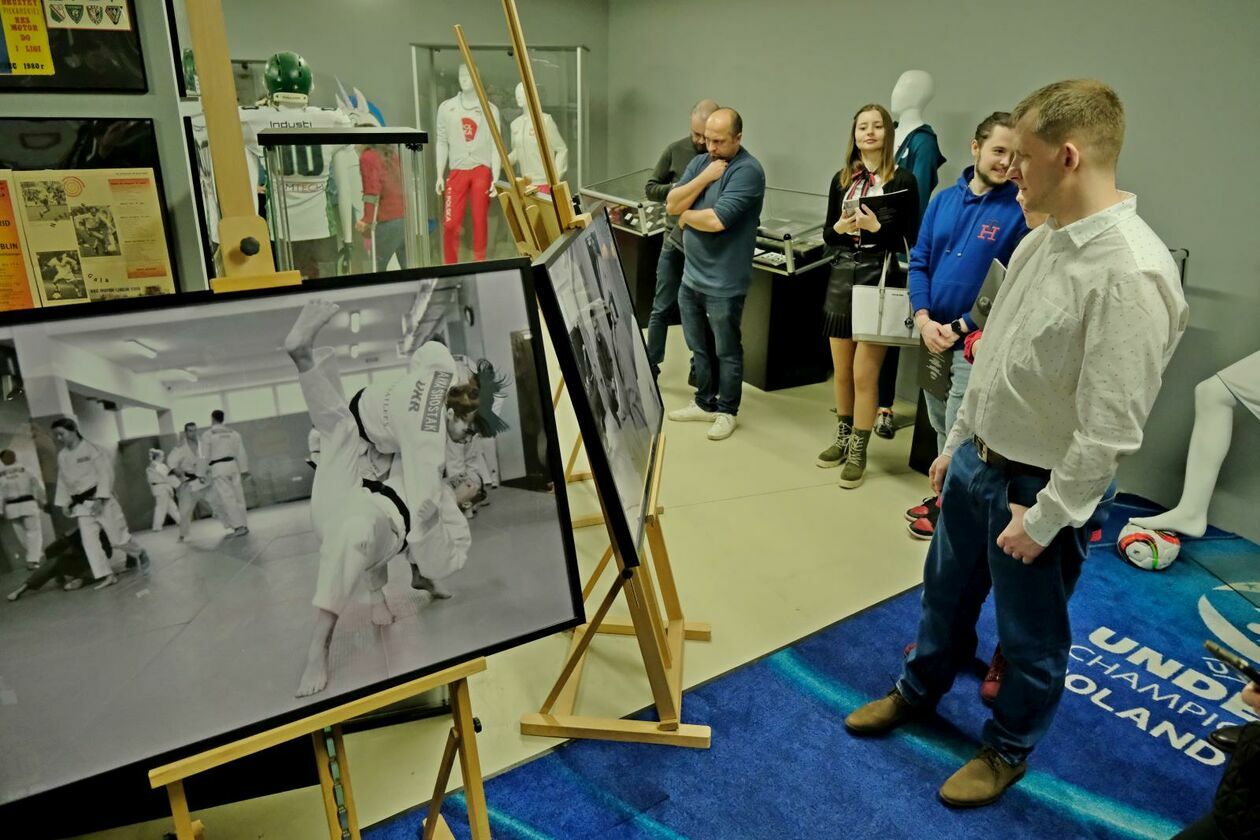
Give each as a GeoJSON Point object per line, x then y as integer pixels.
{"type": "Point", "coordinates": [849, 268]}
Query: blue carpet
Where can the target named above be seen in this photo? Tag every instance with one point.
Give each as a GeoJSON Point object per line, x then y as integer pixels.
{"type": "Point", "coordinates": [1127, 755]}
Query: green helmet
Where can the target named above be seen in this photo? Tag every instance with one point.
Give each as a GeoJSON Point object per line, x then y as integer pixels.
{"type": "Point", "coordinates": [287, 72]}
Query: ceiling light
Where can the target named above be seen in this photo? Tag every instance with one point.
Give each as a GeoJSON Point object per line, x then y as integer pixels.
{"type": "Point", "coordinates": [355, 322]}
{"type": "Point", "coordinates": [143, 349]}
{"type": "Point", "coordinates": [354, 351]}
{"type": "Point", "coordinates": [182, 374]}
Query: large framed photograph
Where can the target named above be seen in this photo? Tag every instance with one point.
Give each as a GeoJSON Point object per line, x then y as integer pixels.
{"type": "Point", "coordinates": [71, 47]}
{"type": "Point", "coordinates": [590, 316]}
{"type": "Point", "coordinates": [221, 515]}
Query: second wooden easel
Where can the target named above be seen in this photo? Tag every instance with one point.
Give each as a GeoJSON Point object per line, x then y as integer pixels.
{"type": "Point", "coordinates": [660, 634]}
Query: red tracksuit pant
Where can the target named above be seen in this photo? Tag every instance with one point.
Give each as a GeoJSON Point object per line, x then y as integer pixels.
{"type": "Point", "coordinates": [461, 185]}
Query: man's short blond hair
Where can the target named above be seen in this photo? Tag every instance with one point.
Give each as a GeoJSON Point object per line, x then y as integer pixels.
{"type": "Point", "coordinates": [1085, 109]}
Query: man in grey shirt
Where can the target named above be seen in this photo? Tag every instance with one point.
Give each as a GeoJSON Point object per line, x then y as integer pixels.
{"type": "Point", "coordinates": [669, 268]}
{"type": "Point", "coordinates": [1074, 354]}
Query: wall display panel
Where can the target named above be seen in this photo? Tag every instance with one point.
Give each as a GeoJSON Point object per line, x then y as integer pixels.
{"type": "Point", "coordinates": [174, 637]}
{"type": "Point", "coordinates": [591, 319]}
{"type": "Point", "coordinates": [56, 46]}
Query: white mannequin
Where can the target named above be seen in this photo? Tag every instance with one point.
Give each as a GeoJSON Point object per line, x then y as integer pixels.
{"type": "Point", "coordinates": [1215, 399]}
{"type": "Point", "coordinates": [910, 96]}
{"type": "Point", "coordinates": [466, 102]}
{"type": "Point", "coordinates": [526, 152]}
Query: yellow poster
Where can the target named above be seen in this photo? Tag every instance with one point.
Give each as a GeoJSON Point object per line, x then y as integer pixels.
{"type": "Point", "coordinates": [93, 234]}
{"type": "Point", "coordinates": [15, 282]}
{"type": "Point", "coordinates": [24, 50]}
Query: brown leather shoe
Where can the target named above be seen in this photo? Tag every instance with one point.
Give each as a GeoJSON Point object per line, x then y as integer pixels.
{"type": "Point", "coordinates": [881, 716]}
{"type": "Point", "coordinates": [981, 781]}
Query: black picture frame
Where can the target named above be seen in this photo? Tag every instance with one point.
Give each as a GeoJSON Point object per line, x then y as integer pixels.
{"type": "Point", "coordinates": [134, 768]}
{"type": "Point", "coordinates": [89, 61]}
{"type": "Point", "coordinates": [629, 535]}
{"type": "Point", "coordinates": [31, 143]}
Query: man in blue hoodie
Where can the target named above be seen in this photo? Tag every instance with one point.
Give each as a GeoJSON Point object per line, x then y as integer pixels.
{"type": "Point", "coordinates": [964, 229]}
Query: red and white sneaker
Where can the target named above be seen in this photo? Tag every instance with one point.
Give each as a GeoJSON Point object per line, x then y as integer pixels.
{"type": "Point", "coordinates": [993, 680]}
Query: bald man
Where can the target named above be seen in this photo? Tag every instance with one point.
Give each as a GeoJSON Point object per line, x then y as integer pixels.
{"type": "Point", "coordinates": [719, 201]}
{"type": "Point", "coordinates": [669, 268]}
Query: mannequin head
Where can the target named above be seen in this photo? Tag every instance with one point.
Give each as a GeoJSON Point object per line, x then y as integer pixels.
{"type": "Point", "coordinates": [1067, 141]}
{"type": "Point", "coordinates": [724, 133]}
{"type": "Point", "coordinates": [465, 79]}
{"type": "Point", "coordinates": [699, 116]}
{"type": "Point", "coordinates": [520, 95]}
{"type": "Point", "coordinates": [913, 92]}
{"type": "Point", "coordinates": [991, 149]}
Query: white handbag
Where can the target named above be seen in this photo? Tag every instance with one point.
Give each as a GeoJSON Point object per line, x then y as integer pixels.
{"type": "Point", "coordinates": [882, 315]}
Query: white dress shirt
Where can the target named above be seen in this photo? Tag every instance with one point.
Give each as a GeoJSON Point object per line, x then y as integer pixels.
{"type": "Point", "coordinates": [1073, 357]}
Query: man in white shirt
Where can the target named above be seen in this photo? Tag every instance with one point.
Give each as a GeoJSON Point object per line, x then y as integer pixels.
{"type": "Point", "coordinates": [225, 457]}
{"type": "Point", "coordinates": [85, 491]}
{"type": "Point", "coordinates": [22, 498]}
{"type": "Point", "coordinates": [187, 465]}
{"type": "Point", "coordinates": [1074, 353]}
{"type": "Point", "coordinates": [162, 485]}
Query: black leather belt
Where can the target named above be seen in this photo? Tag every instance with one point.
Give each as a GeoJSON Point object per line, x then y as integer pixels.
{"type": "Point", "coordinates": [222, 460]}
{"type": "Point", "coordinates": [358, 421]}
{"type": "Point", "coordinates": [86, 496]}
{"type": "Point", "coordinates": [388, 492]}
{"type": "Point", "coordinates": [998, 461]}
{"type": "Point", "coordinates": [19, 499]}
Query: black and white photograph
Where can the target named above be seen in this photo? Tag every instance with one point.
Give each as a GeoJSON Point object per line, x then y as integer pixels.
{"type": "Point", "coordinates": [61, 272]}
{"type": "Point", "coordinates": [95, 231]}
{"type": "Point", "coordinates": [229, 514]}
{"type": "Point", "coordinates": [45, 201]}
{"type": "Point", "coordinates": [600, 331]}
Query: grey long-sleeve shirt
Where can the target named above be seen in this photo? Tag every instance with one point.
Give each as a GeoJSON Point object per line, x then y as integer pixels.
{"type": "Point", "coordinates": [669, 169]}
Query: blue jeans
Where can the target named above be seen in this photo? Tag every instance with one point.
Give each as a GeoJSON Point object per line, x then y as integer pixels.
{"type": "Point", "coordinates": [1031, 602]}
{"type": "Point", "coordinates": [389, 242]}
{"type": "Point", "coordinates": [944, 412]}
{"type": "Point", "coordinates": [669, 269]}
{"type": "Point", "coordinates": [716, 390]}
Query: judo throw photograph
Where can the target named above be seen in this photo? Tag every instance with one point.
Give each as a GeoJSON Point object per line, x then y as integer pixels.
{"type": "Point", "coordinates": [222, 516]}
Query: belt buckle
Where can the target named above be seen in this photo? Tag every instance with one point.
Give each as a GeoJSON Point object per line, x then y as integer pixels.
{"type": "Point", "coordinates": [982, 449]}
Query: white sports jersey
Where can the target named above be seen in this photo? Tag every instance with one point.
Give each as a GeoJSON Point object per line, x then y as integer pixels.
{"type": "Point", "coordinates": [463, 131]}
{"type": "Point", "coordinates": [528, 156]}
{"type": "Point", "coordinates": [306, 168]}
{"type": "Point", "coordinates": [21, 493]}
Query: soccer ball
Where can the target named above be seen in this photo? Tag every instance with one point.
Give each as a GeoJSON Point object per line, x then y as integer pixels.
{"type": "Point", "coordinates": [1148, 549]}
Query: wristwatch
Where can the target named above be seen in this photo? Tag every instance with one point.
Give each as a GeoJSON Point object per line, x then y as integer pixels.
{"type": "Point", "coordinates": [957, 327]}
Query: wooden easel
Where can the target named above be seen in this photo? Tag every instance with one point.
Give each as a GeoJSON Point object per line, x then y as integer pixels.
{"type": "Point", "coordinates": [660, 636]}
{"type": "Point", "coordinates": [245, 244]}
{"type": "Point", "coordinates": [333, 764]}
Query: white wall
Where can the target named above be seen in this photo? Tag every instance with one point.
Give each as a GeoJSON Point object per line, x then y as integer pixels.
{"type": "Point", "coordinates": [796, 75]}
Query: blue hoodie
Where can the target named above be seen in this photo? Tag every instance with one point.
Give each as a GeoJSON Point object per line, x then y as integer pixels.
{"type": "Point", "coordinates": [961, 235]}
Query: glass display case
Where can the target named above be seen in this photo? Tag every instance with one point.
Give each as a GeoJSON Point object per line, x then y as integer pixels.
{"type": "Point", "coordinates": [473, 229]}
{"type": "Point", "coordinates": [629, 208]}
{"type": "Point", "coordinates": [345, 200]}
{"type": "Point", "coordinates": [790, 237]}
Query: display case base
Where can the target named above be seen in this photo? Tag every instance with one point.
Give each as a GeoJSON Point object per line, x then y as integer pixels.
{"type": "Point", "coordinates": [782, 329]}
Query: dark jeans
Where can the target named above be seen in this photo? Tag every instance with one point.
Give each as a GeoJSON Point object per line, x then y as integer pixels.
{"type": "Point", "coordinates": [716, 390]}
{"type": "Point", "coordinates": [389, 241]}
{"type": "Point", "coordinates": [963, 564]}
{"type": "Point", "coordinates": [888, 377]}
{"type": "Point", "coordinates": [669, 270]}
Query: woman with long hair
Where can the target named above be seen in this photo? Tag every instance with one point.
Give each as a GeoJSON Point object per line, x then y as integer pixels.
{"type": "Point", "coordinates": [863, 242]}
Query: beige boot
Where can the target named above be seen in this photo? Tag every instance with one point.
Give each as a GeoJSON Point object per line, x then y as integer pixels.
{"type": "Point", "coordinates": [981, 781]}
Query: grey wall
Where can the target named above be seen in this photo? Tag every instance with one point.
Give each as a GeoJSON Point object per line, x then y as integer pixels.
{"type": "Point", "coordinates": [160, 104]}
{"type": "Point", "coordinates": [795, 73]}
{"type": "Point", "coordinates": [367, 44]}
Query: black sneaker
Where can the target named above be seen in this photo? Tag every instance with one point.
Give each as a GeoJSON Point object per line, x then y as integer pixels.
{"type": "Point", "coordinates": [884, 424]}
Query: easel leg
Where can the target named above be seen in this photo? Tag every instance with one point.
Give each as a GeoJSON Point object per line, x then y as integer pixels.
{"type": "Point", "coordinates": [470, 761]}
{"type": "Point", "coordinates": [343, 764]}
{"type": "Point", "coordinates": [662, 691]}
{"type": "Point", "coordinates": [599, 571]}
{"type": "Point", "coordinates": [664, 571]}
{"type": "Point", "coordinates": [579, 651]}
{"type": "Point", "coordinates": [179, 812]}
{"type": "Point", "coordinates": [328, 784]}
{"type": "Point", "coordinates": [434, 826]}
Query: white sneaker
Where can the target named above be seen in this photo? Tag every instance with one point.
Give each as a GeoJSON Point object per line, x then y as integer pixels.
{"type": "Point", "coordinates": [723, 427]}
{"type": "Point", "coordinates": [106, 581]}
{"type": "Point", "coordinates": [692, 412]}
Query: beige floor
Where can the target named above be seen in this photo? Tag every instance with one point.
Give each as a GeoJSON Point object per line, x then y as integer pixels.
{"type": "Point", "coordinates": [765, 546]}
